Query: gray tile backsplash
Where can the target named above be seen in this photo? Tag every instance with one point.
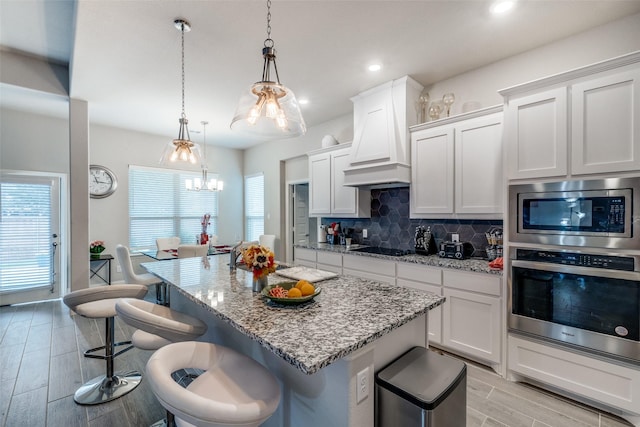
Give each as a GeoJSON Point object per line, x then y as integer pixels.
{"type": "Point", "coordinates": [391, 227]}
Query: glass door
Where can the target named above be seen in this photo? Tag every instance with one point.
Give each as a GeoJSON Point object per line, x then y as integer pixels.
{"type": "Point", "coordinates": [29, 238]}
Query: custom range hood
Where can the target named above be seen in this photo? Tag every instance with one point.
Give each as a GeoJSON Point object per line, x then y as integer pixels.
{"type": "Point", "coordinates": [380, 153]}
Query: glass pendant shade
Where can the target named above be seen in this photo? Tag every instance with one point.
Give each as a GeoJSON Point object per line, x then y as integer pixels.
{"type": "Point", "coordinates": [270, 110]}
{"type": "Point", "coordinates": [181, 149]}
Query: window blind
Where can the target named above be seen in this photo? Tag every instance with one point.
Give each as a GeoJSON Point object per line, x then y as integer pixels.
{"type": "Point", "coordinates": [161, 206]}
{"type": "Point", "coordinates": [25, 235]}
{"type": "Point", "coordinates": [254, 206]}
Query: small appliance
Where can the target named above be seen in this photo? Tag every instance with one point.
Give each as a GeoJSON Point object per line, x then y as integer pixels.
{"type": "Point", "coordinates": [456, 250]}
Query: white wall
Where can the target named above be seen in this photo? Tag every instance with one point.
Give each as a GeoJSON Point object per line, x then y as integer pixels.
{"type": "Point", "coordinates": [480, 86]}
{"type": "Point", "coordinates": [118, 148]}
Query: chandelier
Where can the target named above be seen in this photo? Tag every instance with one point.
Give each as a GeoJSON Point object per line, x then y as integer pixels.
{"type": "Point", "coordinates": [268, 108]}
{"type": "Point", "coordinates": [204, 183]}
{"type": "Point", "coordinates": [181, 149]}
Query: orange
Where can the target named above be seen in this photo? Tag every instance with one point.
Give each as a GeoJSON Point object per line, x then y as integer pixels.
{"type": "Point", "coordinates": [294, 293]}
{"type": "Point", "coordinates": [307, 289]}
{"type": "Point", "coordinates": [301, 283]}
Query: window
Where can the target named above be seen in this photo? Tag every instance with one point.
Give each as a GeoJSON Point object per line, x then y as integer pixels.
{"type": "Point", "coordinates": [161, 206]}
{"type": "Point", "coordinates": [26, 229]}
{"type": "Point", "coordinates": [254, 206]}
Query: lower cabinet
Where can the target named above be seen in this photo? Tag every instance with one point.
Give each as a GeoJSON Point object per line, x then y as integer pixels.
{"type": "Point", "coordinates": [369, 268]}
{"type": "Point", "coordinates": [306, 257]}
{"type": "Point", "coordinates": [427, 279]}
{"type": "Point", "coordinates": [471, 315]}
{"type": "Point", "coordinates": [329, 261]}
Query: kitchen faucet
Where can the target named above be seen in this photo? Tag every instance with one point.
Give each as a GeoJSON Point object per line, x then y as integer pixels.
{"type": "Point", "coordinates": [236, 251]}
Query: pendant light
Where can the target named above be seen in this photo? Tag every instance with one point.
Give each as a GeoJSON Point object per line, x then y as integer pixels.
{"type": "Point", "coordinates": [181, 149]}
{"type": "Point", "coordinates": [269, 109]}
{"type": "Point", "coordinates": [204, 183]}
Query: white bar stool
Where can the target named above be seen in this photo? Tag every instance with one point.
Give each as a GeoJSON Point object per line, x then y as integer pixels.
{"type": "Point", "coordinates": [234, 390]}
{"type": "Point", "coordinates": [157, 325]}
{"type": "Point", "coordinates": [96, 303]}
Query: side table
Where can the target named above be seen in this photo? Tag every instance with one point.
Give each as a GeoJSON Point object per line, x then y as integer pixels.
{"type": "Point", "coordinates": [98, 264]}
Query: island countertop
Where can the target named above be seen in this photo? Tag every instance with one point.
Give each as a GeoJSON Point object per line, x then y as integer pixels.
{"type": "Point", "coordinates": [348, 314]}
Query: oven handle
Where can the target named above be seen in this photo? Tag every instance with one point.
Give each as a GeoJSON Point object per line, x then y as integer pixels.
{"type": "Point", "coordinates": [585, 271]}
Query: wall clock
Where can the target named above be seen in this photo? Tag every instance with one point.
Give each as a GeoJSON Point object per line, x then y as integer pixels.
{"type": "Point", "coordinates": [102, 182]}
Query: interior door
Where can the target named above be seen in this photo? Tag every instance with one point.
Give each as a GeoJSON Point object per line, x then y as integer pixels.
{"type": "Point", "coordinates": [301, 214]}
{"type": "Point", "coordinates": [29, 238]}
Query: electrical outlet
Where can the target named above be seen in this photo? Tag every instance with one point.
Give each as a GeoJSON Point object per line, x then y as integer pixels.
{"type": "Point", "coordinates": [364, 233]}
{"type": "Point", "coordinates": [362, 385]}
{"type": "Point", "coordinates": [455, 237]}
{"type": "Point", "coordinates": [118, 268]}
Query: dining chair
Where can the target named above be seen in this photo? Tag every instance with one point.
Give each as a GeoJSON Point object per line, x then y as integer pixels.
{"type": "Point", "coordinates": [268, 240]}
{"type": "Point", "coordinates": [188, 251]}
{"type": "Point", "coordinates": [165, 243]}
{"type": "Point", "coordinates": [147, 279]}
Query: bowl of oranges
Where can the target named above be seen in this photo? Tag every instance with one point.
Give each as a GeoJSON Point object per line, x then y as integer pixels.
{"type": "Point", "coordinates": [291, 293]}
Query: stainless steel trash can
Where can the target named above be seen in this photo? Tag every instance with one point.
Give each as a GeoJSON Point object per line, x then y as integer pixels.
{"type": "Point", "coordinates": [422, 388]}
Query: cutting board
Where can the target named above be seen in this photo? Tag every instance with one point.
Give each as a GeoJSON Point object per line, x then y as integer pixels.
{"type": "Point", "coordinates": [309, 274]}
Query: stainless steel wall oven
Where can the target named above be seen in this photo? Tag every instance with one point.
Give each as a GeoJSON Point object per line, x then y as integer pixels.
{"type": "Point", "coordinates": [574, 264]}
{"type": "Point", "coordinates": [587, 300]}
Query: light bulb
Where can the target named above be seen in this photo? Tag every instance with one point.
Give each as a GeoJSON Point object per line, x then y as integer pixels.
{"type": "Point", "coordinates": [220, 185]}
{"type": "Point", "coordinates": [189, 184]}
{"type": "Point", "coordinates": [197, 183]}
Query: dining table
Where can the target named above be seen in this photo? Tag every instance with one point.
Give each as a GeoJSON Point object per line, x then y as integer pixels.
{"type": "Point", "coordinates": [167, 254]}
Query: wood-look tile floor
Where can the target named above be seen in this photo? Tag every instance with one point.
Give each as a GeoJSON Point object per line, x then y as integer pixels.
{"type": "Point", "coordinates": [41, 366]}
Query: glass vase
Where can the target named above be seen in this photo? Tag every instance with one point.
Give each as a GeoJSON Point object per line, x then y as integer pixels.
{"type": "Point", "coordinates": [260, 283]}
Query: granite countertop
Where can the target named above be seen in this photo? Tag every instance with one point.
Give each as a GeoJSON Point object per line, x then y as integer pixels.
{"type": "Point", "coordinates": [348, 314]}
{"type": "Point", "coordinates": [473, 264]}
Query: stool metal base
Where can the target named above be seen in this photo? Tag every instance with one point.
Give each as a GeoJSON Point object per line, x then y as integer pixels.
{"type": "Point", "coordinates": [104, 389]}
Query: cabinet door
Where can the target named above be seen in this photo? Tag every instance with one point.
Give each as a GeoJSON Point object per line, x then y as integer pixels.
{"type": "Point", "coordinates": [478, 165]}
{"type": "Point", "coordinates": [471, 324]}
{"type": "Point", "coordinates": [343, 199]}
{"type": "Point", "coordinates": [431, 172]}
{"type": "Point", "coordinates": [320, 184]}
{"type": "Point", "coordinates": [605, 119]}
{"type": "Point", "coordinates": [435, 315]}
{"type": "Point", "coordinates": [536, 135]}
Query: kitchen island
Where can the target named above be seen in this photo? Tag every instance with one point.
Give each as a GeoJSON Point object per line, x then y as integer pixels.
{"type": "Point", "coordinates": [316, 349]}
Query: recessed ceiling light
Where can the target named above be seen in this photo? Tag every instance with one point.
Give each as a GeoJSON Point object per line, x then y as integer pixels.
{"type": "Point", "coordinates": [502, 6]}
{"type": "Point", "coordinates": [303, 101]}
{"type": "Point", "coordinates": [375, 67]}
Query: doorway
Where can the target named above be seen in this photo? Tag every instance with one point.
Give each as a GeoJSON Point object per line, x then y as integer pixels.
{"type": "Point", "coordinates": [302, 230]}
{"type": "Point", "coordinates": [30, 237]}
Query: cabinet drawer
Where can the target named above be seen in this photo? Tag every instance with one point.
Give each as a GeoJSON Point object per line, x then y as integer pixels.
{"type": "Point", "coordinates": [305, 254]}
{"type": "Point", "coordinates": [474, 282]}
{"type": "Point", "coordinates": [420, 273]}
{"type": "Point", "coordinates": [371, 265]}
{"type": "Point", "coordinates": [371, 276]}
{"type": "Point", "coordinates": [331, 268]}
{"type": "Point", "coordinates": [330, 258]}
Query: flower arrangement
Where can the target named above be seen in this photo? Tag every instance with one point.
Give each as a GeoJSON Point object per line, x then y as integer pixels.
{"type": "Point", "coordinates": [96, 247]}
{"type": "Point", "coordinates": [204, 237]}
{"type": "Point", "coordinates": [260, 259]}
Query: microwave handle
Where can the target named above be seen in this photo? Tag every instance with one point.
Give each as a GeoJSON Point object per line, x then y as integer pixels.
{"type": "Point", "coordinates": [572, 269]}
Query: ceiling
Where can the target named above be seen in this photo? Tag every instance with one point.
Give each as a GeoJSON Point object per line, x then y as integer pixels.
{"type": "Point", "coordinates": [124, 55]}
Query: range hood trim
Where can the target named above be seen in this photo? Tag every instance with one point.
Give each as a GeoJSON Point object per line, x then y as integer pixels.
{"type": "Point", "coordinates": [387, 175]}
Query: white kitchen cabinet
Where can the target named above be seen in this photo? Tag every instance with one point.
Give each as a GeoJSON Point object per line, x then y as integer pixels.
{"type": "Point", "coordinates": [427, 279]}
{"type": "Point", "coordinates": [306, 257]}
{"type": "Point", "coordinates": [471, 315]}
{"type": "Point", "coordinates": [456, 166]}
{"type": "Point", "coordinates": [369, 268]}
{"type": "Point", "coordinates": [605, 124]}
{"type": "Point", "coordinates": [536, 134]}
{"type": "Point", "coordinates": [581, 122]}
{"type": "Point", "coordinates": [327, 194]}
{"type": "Point", "coordinates": [329, 261]}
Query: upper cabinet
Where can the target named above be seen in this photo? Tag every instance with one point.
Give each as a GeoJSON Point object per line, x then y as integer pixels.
{"type": "Point", "coordinates": [581, 122]}
{"type": "Point", "coordinates": [456, 166]}
{"type": "Point", "coordinates": [381, 118]}
{"type": "Point", "coordinates": [327, 194]}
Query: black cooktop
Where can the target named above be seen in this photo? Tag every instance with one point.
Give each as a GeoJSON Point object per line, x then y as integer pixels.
{"type": "Point", "coordinates": [383, 251]}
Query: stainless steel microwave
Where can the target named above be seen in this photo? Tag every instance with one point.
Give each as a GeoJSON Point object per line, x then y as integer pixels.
{"type": "Point", "coordinates": [603, 213]}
